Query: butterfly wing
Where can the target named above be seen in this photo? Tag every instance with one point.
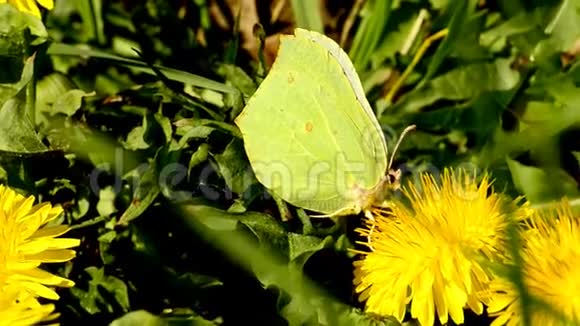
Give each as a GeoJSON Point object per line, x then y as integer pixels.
{"type": "Point", "coordinates": [309, 131]}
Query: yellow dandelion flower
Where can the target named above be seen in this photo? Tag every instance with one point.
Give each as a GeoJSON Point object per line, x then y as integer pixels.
{"type": "Point", "coordinates": [431, 254]}
{"type": "Point", "coordinates": [25, 244]}
{"type": "Point", "coordinates": [30, 6]}
{"type": "Point", "coordinates": [551, 272]}
{"type": "Point", "coordinates": [19, 308]}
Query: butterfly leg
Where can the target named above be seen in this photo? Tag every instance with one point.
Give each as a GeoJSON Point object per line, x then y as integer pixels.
{"type": "Point", "coordinates": [371, 218]}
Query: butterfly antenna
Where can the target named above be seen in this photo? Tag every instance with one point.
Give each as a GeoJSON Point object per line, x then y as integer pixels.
{"type": "Point", "coordinates": [403, 134]}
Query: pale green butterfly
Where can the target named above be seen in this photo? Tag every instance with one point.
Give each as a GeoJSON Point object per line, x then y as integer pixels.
{"type": "Point", "coordinates": [310, 133]}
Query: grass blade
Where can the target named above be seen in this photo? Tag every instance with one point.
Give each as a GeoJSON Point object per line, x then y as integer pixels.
{"type": "Point", "coordinates": [170, 73]}
{"type": "Point", "coordinates": [307, 15]}
{"type": "Point", "coordinates": [369, 32]}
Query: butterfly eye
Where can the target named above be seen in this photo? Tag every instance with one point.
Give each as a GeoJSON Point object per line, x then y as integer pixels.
{"type": "Point", "coordinates": [394, 178]}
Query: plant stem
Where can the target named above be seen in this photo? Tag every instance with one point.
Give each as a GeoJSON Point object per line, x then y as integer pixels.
{"type": "Point", "coordinates": [426, 44]}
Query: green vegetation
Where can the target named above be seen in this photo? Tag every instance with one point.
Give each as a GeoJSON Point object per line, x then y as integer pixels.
{"type": "Point", "coordinates": [122, 112]}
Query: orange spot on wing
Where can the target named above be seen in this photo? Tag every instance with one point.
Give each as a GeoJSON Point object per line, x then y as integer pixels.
{"type": "Point", "coordinates": [308, 126]}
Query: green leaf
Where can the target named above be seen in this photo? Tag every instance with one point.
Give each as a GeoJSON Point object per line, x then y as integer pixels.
{"type": "Point", "coordinates": [144, 195]}
{"type": "Point", "coordinates": [193, 132]}
{"type": "Point", "coordinates": [462, 83]}
{"type": "Point", "coordinates": [49, 89]}
{"type": "Point", "coordinates": [201, 128]}
{"type": "Point", "coordinates": [144, 318]}
{"type": "Point", "coordinates": [233, 166]}
{"type": "Point", "coordinates": [357, 317]}
{"type": "Point", "coordinates": [266, 229]}
{"type": "Point", "coordinates": [80, 209]}
{"type": "Point", "coordinates": [496, 36]}
{"type": "Point", "coordinates": [139, 318]}
{"type": "Point", "coordinates": [300, 244]}
{"type": "Point", "coordinates": [12, 54]}
{"type": "Point", "coordinates": [564, 26]}
{"type": "Point", "coordinates": [199, 156]}
{"type": "Point", "coordinates": [99, 149]}
{"type": "Point", "coordinates": [468, 47]}
{"type": "Point", "coordinates": [92, 300]}
{"type": "Point", "coordinates": [70, 102]}
{"type": "Point", "coordinates": [511, 8]}
{"type": "Point", "coordinates": [135, 139]}
{"type": "Point", "coordinates": [540, 127]}
{"type": "Point", "coordinates": [542, 185]}
{"type": "Point", "coordinates": [238, 78]}
{"type": "Point", "coordinates": [307, 302]}
{"type": "Point", "coordinates": [156, 129]}
{"type": "Point", "coordinates": [165, 125]}
{"type": "Point", "coordinates": [398, 28]}
{"type": "Point", "coordinates": [213, 218]}
{"type": "Point", "coordinates": [17, 133]}
{"type": "Point", "coordinates": [10, 90]}
{"type": "Point", "coordinates": [106, 204]}
{"type": "Point", "coordinates": [269, 232]}
{"type": "Point", "coordinates": [439, 4]}
{"type": "Point", "coordinates": [14, 22]}
{"type": "Point", "coordinates": [105, 241]}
